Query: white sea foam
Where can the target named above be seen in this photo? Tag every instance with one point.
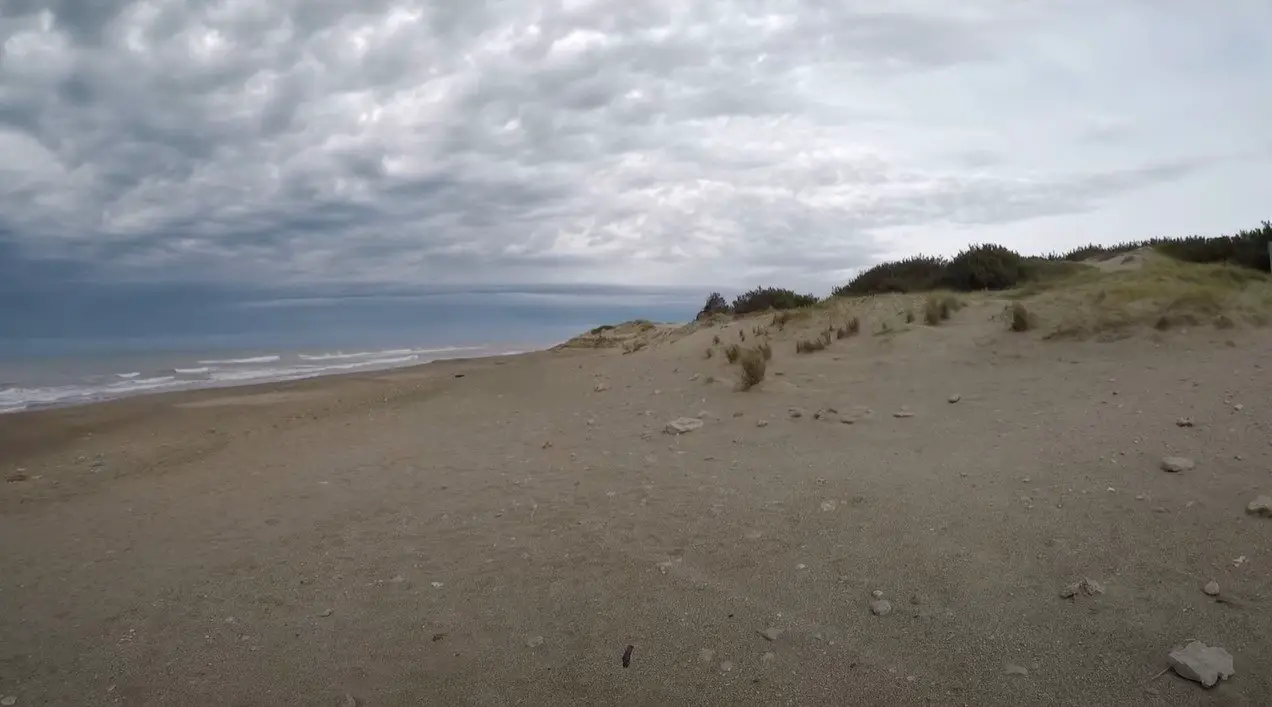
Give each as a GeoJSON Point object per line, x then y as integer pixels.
{"type": "Point", "coordinates": [233, 361]}
{"type": "Point", "coordinates": [188, 371]}
{"type": "Point", "coordinates": [339, 355]}
{"type": "Point", "coordinates": [134, 374]}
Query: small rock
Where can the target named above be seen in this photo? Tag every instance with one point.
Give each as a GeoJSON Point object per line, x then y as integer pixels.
{"type": "Point", "coordinates": [795, 412]}
{"type": "Point", "coordinates": [325, 613]}
{"type": "Point", "coordinates": [726, 666]}
{"type": "Point", "coordinates": [534, 642]}
{"type": "Point", "coordinates": [8, 700]}
{"type": "Point", "coordinates": [1211, 588]}
{"type": "Point", "coordinates": [1020, 670]}
{"type": "Point", "coordinates": [877, 594]}
{"type": "Point", "coordinates": [881, 607]}
{"type": "Point", "coordinates": [828, 505]}
{"type": "Point", "coordinates": [15, 478]}
{"type": "Point", "coordinates": [1238, 407]}
{"type": "Point", "coordinates": [695, 377]}
{"type": "Point", "coordinates": [1086, 587]}
{"type": "Point", "coordinates": [1175, 465]}
{"type": "Point", "coordinates": [739, 413]}
{"type": "Point", "coordinates": [1201, 663]}
{"type": "Point", "coordinates": [825, 413]}
{"type": "Point", "coordinates": [955, 399]}
{"type": "Point", "coordinates": [1184, 422]}
{"type": "Point", "coordinates": [902, 413]}
{"type": "Point", "coordinates": [681, 425]}
{"type": "Point", "coordinates": [771, 634]}
{"type": "Point", "coordinates": [761, 423]}
{"type": "Point", "coordinates": [601, 387]}
{"type": "Point", "coordinates": [1260, 506]}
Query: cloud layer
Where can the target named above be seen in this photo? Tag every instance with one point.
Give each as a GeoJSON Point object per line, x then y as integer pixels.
{"type": "Point", "coordinates": [585, 141]}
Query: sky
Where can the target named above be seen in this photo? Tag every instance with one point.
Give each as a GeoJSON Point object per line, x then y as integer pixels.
{"type": "Point", "coordinates": [601, 153]}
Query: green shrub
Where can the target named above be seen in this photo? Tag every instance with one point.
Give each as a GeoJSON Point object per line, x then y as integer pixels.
{"type": "Point", "coordinates": [917, 274]}
{"type": "Point", "coordinates": [762, 298]}
{"type": "Point", "coordinates": [716, 304]}
{"type": "Point", "coordinates": [983, 267]}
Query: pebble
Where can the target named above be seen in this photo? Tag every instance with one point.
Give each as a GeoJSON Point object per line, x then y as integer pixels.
{"type": "Point", "coordinates": [726, 666]}
{"type": "Point", "coordinates": [881, 607]}
{"type": "Point", "coordinates": [1260, 506]}
{"type": "Point", "coordinates": [1211, 588]}
{"type": "Point", "coordinates": [1086, 587]}
{"type": "Point", "coordinates": [828, 506]}
{"type": "Point", "coordinates": [1184, 422]}
{"type": "Point", "coordinates": [955, 399]}
{"type": "Point", "coordinates": [771, 634]}
{"type": "Point", "coordinates": [795, 412]}
{"type": "Point", "coordinates": [8, 700]}
{"type": "Point", "coordinates": [877, 594]}
{"type": "Point", "coordinates": [681, 425]}
{"type": "Point", "coordinates": [1175, 465]}
{"type": "Point", "coordinates": [761, 423]}
{"type": "Point", "coordinates": [534, 642]}
{"type": "Point", "coordinates": [1020, 670]}
{"type": "Point", "coordinates": [325, 613]}
{"type": "Point", "coordinates": [903, 413]}
{"type": "Point", "coordinates": [601, 387]}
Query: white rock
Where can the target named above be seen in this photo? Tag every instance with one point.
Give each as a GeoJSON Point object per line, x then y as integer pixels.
{"type": "Point", "coordinates": [1211, 588]}
{"type": "Point", "coordinates": [681, 425]}
{"type": "Point", "coordinates": [881, 607]}
{"type": "Point", "coordinates": [902, 413]}
{"type": "Point", "coordinates": [1200, 663]}
{"type": "Point", "coordinates": [1260, 506]}
{"type": "Point", "coordinates": [771, 634]}
{"type": "Point", "coordinates": [877, 594]}
{"type": "Point", "coordinates": [1020, 670]}
{"type": "Point", "coordinates": [955, 399]}
{"type": "Point", "coordinates": [1175, 465]}
{"type": "Point", "coordinates": [601, 387]}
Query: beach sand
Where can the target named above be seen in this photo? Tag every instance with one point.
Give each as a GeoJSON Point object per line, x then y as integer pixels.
{"type": "Point", "coordinates": [416, 537]}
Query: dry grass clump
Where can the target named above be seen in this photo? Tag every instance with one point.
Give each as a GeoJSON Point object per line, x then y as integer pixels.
{"type": "Point", "coordinates": [754, 366]}
{"type": "Point", "coordinates": [732, 353]}
{"type": "Point", "coordinates": [716, 339]}
{"type": "Point", "coordinates": [765, 350]}
{"type": "Point", "coordinates": [939, 307]}
{"type": "Point", "coordinates": [804, 346]}
{"type": "Point", "coordinates": [852, 328]}
{"type": "Point", "coordinates": [1019, 318]}
{"type": "Point", "coordinates": [710, 352]}
{"type": "Point", "coordinates": [781, 319]}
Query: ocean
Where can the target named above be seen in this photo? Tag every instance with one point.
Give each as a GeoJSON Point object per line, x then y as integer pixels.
{"type": "Point", "coordinates": [31, 383]}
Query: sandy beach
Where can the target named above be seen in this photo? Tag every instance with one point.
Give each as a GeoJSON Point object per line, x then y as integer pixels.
{"type": "Point", "coordinates": [523, 530]}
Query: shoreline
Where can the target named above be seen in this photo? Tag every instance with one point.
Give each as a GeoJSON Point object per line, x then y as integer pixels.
{"type": "Point", "coordinates": [195, 385]}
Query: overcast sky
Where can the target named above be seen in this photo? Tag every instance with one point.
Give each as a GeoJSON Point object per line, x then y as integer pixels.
{"type": "Point", "coordinates": [399, 143]}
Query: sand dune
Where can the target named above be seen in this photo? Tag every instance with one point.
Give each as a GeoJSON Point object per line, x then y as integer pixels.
{"type": "Point", "coordinates": [507, 536]}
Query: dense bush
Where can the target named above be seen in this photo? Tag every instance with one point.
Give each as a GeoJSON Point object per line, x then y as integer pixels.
{"type": "Point", "coordinates": [716, 304]}
{"type": "Point", "coordinates": [917, 274]}
{"type": "Point", "coordinates": [762, 298]}
{"type": "Point", "coordinates": [983, 267]}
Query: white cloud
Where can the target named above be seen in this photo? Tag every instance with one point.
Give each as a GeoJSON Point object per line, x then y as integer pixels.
{"type": "Point", "coordinates": [657, 142]}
